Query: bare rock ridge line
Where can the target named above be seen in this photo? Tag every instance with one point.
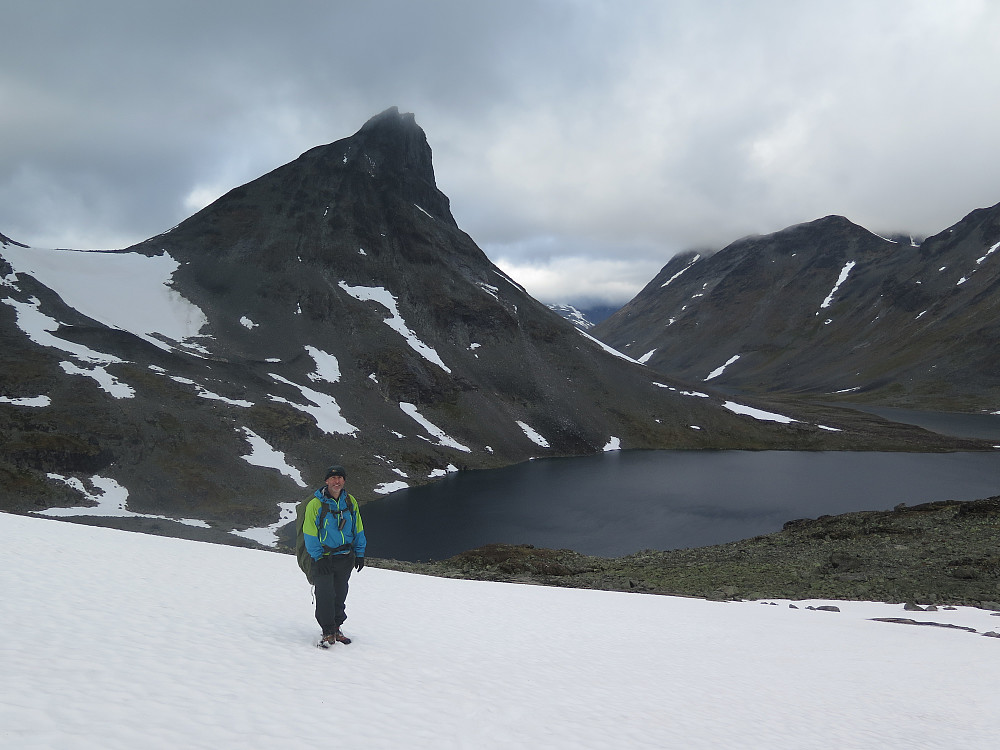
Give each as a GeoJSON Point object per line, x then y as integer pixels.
{"type": "Point", "coordinates": [828, 310]}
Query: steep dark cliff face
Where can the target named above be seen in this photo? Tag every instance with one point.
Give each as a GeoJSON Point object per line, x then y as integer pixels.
{"type": "Point", "coordinates": [829, 309]}
{"type": "Point", "coordinates": [345, 317]}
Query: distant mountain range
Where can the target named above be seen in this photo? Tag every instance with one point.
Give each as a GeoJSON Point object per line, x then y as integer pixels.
{"type": "Point", "coordinates": [831, 311]}
{"type": "Point", "coordinates": [585, 318]}
{"type": "Point", "coordinates": [329, 311]}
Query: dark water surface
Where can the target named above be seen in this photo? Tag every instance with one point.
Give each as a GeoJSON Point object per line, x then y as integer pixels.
{"type": "Point", "coordinates": [621, 502]}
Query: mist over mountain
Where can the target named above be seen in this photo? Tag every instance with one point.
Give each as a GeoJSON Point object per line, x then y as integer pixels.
{"type": "Point", "coordinates": [329, 311]}
{"type": "Point", "coordinates": [831, 310]}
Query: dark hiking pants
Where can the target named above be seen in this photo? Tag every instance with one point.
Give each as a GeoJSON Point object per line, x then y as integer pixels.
{"type": "Point", "coordinates": [331, 594]}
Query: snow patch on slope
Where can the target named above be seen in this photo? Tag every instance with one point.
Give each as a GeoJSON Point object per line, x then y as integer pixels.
{"type": "Point", "coordinates": [325, 409]}
{"type": "Point", "coordinates": [395, 320]}
{"type": "Point", "coordinates": [268, 535]}
{"type": "Point", "coordinates": [694, 260]}
{"type": "Point", "coordinates": [262, 454]}
{"type": "Point", "coordinates": [607, 348]}
{"type": "Point", "coordinates": [126, 291]}
{"type": "Point", "coordinates": [33, 401]}
{"type": "Point", "coordinates": [573, 315]}
{"type": "Point", "coordinates": [111, 499]}
{"type": "Point", "coordinates": [203, 392]}
{"type": "Point", "coordinates": [758, 414]}
{"type": "Point", "coordinates": [533, 436]}
{"type": "Point", "coordinates": [108, 382]}
{"type": "Point", "coordinates": [989, 252]}
{"type": "Point", "coordinates": [387, 488]}
{"type": "Point", "coordinates": [39, 327]}
{"type": "Point", "coordinates": [443, 439]}
{"type": "Point", "coordinates": [719, 370]}
{"type": "Point", "coordinates": [327, 366]}
{"type": "Point", "coordinates": [844, 272]}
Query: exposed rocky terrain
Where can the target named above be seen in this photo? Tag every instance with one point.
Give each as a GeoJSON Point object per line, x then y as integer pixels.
{"type": "Point", "coordinates": [829, 310]}
{"type": "Point", "coordinates": [945, 553]}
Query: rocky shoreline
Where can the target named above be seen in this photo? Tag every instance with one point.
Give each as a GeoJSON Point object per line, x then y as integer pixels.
{"type": "Point", "coordinates": [941, 553]}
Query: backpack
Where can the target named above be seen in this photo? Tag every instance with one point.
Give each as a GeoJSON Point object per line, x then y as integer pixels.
{"type": "Point", "coordinates": [301, 553]}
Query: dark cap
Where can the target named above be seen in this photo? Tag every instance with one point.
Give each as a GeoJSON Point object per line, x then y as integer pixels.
{"type": "Point", "coordinates": [335, 471]}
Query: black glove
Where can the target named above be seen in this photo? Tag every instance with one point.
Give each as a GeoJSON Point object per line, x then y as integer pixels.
{"type": "Point", "coordinates": [359, 563]}
{"type": "Point", "coordinates": [324, 566]}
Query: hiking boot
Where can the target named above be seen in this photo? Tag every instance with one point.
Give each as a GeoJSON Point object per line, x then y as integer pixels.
{"type": "Point", "coordinates": [341, 638]}
{"type": "Point", "coordinates": [327, 640]}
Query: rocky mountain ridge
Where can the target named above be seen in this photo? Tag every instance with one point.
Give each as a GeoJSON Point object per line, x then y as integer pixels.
{"type": "Point", "coordinates": [828, 309]}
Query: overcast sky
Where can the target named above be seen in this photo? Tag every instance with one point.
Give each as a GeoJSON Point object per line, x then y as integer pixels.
{"type": "Point", "coordinates": [581, 143]}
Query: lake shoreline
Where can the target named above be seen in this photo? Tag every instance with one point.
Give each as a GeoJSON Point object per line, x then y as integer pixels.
{"type": "Point", "coordinates": [938, 553]}
{"type": "Point", "coordinates": [613, 504]}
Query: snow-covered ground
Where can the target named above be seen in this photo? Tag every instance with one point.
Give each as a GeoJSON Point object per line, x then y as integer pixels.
{"type": "Point", "coordinates": [119, 640]}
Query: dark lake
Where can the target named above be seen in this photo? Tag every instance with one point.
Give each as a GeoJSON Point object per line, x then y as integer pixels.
{"type": "Point", "coordinates": [617, 503]}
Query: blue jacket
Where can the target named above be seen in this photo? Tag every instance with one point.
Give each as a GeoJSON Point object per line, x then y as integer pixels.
{"type": "Point", "coordinates": [339, 541]}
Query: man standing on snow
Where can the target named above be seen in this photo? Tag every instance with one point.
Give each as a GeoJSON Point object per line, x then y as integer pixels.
{"type": "Point", "coordinates": [335, 539]}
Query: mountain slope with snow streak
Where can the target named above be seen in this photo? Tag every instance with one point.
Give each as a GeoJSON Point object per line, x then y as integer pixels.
{"type": "Point", "coordinates": [829, 309]}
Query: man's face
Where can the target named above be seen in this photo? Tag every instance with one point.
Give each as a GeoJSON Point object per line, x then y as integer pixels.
{"type": "Point", "coordinates": [334, 485]}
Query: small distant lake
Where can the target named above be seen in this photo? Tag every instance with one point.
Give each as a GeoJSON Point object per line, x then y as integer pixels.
{"type": "Point", "coordinates": [982, 426]}
{"type": "Point", "coordinates": [621, 502]}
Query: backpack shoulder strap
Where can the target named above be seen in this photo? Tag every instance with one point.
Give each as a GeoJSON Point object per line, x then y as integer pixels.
{"type": "Point", "coordinates": [324, 511]}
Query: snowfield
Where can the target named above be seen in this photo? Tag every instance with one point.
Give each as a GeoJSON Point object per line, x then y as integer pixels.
{"type": "Point", "coordinates": [127, 291]}
{"type": "Point", "coordinates": [120, 640]}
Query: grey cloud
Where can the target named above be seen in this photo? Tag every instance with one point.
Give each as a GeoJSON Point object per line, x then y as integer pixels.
{"type": "Point", "coordinates": [564, 132]}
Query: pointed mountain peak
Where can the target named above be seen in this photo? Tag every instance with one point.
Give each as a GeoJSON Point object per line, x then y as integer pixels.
{"type": "Point", "coordinates": [363, 191]}
{"type": "Point", "coordinates": [828, 237]}
{"type": "Point", "coordinates": [389, 142]}
{"type": "Point", "coordinates": [831, 223]}
{"type": "Point", "coordinates": [390, 151]}
{"type": "Point", "coordinates": [398, 144]}
{"type": "Point", "coordinates": [391, 119]}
